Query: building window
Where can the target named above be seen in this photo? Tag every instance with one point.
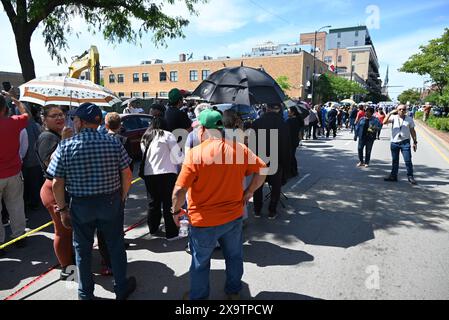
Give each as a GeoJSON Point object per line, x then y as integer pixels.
{"type": "Point", "coordinates": [339, 35]}
{"type": "Point", "coordinates": [353, 57]}
{"type": "Point", "coordinates": [135, 94]}
{"type": "Point", "coordinates": [121, 94]}
{"type": "Point", "coordinates": [353, 68]}
{"type": "Point", "coordinates": [120, 78]}
{"type": "Point", "coordinates": [307, 72]}
{"type": "Point", "coordinates": [174, 76]}
{"type": "Point", "coordinates": [357, 33]}
{"type": "Point", "coordinates": [146, 94]}
{"type": "Point", "coordinates": [162, 76]}
{"type": "Point", "coordinates": [356, 43]}
{"type": "Point", "coordinates": [205, 74]}
{"type": "Point", "coordinates": [193, 75]}
{"type": "Point", "coordinates": [338, 44]}
{"type": "Point", "coordinates": [339, 58]}
{"type": "Point", "coordinates": [111, 78]}
{"type": "Point", "coordinates": [135, 77]}
{"type": "Point", "coordinates": [145, 77]}
{"type": "Point", "coordinates": [327, 59]}
{"type": "Point", "coordinates": [163, 94]}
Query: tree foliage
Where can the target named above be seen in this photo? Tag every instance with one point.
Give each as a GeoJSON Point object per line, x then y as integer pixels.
{"type": "Point", "coordinates": [284, 83]}
{"type": "Point", "coordinates": [117, 20]}
{"type": "Point", "coordinates": [432, 61]}
{"type": "Point", "coordinates": [409, 95]}
{"type": "Point", "coordinates": [334, 88]}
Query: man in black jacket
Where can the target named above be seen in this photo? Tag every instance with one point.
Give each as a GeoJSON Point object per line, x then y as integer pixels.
{"type": "Point", "coordinates": [332, 122]}
{"type": "Point", "coordinates": [276, 155]}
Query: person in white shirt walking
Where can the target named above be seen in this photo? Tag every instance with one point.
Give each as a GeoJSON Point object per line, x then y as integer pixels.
{"type": "Point", "coordinates": [162, 156]}
{"type": "Point", "coordinates": [403, 127]}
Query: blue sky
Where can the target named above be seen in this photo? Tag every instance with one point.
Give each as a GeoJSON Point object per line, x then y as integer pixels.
{"type": "Point", "coordinates": [233, 27]}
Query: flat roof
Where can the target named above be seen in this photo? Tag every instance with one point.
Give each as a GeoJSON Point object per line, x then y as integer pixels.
{"type": "Point", "coordinates": [213, 60]}
{"type": "Point", "coordinates": [348, 29]}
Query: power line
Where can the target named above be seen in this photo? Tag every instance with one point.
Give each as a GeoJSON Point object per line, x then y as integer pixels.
{"type": "Point", "coordinates": [270, 12]}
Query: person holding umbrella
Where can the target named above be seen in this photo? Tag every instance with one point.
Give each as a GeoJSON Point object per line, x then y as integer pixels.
{"type": "Point", "coordinates": [272, 120]}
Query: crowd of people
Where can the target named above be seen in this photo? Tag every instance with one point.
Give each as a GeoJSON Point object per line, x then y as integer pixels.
{"type": "Point", "coordinates": [83, 179]}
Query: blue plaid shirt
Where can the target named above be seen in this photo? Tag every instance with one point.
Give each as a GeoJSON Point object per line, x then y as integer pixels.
{"type": "Point", "coordinates": [90, 163]}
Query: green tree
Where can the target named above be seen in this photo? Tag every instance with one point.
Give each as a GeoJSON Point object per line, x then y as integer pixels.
{"type": "Point", "coordinates": [284, 83]}
{"type": "Point", "coordinates": [409, 95]}
{"type": "Point", "coordinates": [114, 18]}
{"type": "Point", "coordinates": [433, 61]}
{"type": "Point", "coordinates": [334, 88]}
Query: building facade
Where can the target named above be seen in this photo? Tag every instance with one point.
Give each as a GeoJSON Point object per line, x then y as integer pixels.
{"type": "Point", "coordinates": [15, 79]}
{"type": "Point", "coordinates": [156, 80]}
{"type": "Point", "coordinates": [309, 39]}
{"type": "Point", "coordinates": [350, 51]}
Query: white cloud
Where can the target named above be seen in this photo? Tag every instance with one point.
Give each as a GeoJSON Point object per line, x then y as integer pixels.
{"type": "Point", "coordinates": [394, 52]}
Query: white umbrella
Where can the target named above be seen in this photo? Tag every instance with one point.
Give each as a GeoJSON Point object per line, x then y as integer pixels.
{"type": "Point", "coordinates": [66, 91]}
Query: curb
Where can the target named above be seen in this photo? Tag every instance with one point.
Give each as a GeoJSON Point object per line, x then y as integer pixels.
{"type": "Point", "coordinates": [443, 136]}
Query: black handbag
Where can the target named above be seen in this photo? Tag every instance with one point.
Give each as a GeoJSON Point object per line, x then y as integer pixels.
{"type": "Point", "coordinates": [142, 163]}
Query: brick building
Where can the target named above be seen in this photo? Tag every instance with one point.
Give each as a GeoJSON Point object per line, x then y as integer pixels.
{"type": "Point", "coordinates": [14, 78]}
{"type": "Point", "coordinates": [156, 79]}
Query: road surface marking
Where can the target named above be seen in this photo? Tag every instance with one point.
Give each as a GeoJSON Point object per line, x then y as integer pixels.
{"type": "Point", "coordinates": [300, 181]}
{"type": "Point", "coordinates": [433, 145]}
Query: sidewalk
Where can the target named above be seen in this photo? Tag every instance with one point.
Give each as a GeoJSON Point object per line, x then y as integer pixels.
{"type": "Point", "coordinates": [443, 136]}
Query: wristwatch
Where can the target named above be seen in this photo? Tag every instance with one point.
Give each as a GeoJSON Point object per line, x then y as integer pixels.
{"type": "Point", "coordinates": [63, 209]}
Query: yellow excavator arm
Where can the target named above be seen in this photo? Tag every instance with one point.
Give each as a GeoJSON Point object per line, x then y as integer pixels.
{"type": "Point", "coordinates": [90, 60]}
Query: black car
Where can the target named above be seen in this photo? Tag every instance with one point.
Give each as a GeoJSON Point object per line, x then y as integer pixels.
{"type": "Point", "coordinates": [133, 127]}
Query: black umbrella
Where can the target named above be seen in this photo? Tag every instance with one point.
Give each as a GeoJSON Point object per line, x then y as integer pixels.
{"type": "Point", "coordinates": [242, 85]}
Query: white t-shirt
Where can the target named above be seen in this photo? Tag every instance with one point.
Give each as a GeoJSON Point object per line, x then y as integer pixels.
{"type": "Point", "coordinates": [401, 128]}
{"type": "Point", "coordinates": [164, 155]}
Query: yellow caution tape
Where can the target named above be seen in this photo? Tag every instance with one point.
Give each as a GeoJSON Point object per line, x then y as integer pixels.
{"type": "Point", "coordinates": [40, 228]}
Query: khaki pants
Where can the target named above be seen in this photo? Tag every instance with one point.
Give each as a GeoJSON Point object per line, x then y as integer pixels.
{"type": "Point", "coordinates": [11, 190]}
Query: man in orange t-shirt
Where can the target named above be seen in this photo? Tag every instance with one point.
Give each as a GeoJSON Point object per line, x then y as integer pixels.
{"type": "Point", "coordinates": [212, 174]}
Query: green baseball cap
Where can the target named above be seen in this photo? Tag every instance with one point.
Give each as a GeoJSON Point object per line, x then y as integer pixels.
{"type": "Point", "coordinates": [174, 96]}
{"type": "Point", "coordinates": [211, 119]}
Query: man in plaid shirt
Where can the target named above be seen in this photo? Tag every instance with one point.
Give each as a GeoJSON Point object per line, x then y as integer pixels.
{"type": "Point", "coordinates": [94, 169]}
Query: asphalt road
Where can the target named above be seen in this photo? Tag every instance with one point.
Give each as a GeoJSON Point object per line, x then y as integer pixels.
{"type": "Point", "coordinates": [344, 234]}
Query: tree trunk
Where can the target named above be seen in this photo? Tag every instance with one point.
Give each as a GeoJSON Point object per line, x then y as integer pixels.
{"type": "Point", "coordinates": [23, 44]}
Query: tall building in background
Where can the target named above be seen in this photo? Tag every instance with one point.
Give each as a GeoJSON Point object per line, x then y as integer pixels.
{"type": "Point", "coordinates": [351, 53]}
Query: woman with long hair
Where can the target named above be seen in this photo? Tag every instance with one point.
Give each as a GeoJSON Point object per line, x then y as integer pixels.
{"type": "Point", "coordinates": [161, 157]}
{"type": "Point", "coordinates": [54, 120]}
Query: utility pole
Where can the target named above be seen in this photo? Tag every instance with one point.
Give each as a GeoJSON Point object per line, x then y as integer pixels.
{"type": "Point", "coordinates": [314, 59]}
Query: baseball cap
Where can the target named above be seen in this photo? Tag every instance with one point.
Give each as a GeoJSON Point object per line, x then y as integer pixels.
{"type": "Point", "coordinates": [211, 119]}
{"type": "Point", "coordinates": [174, 95]}
{"type": "Point", "coordinates": [89, 112]}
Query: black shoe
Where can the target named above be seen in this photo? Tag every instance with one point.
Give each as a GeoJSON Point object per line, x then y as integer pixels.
{"type": "Point", "coordinates": [2, 252]}
{"type": "Point", "coordinates": [21, 243]}
{"type": "Point", "coordinates": [391, 179]}
{"type": "Point", "coordinates": [131, 285]}
{"type": "Point", "coordinates": [257, 214]}
{"type": "Point", "coordinates": [272, 215]}
{"type": "Point", "coordinates": [412, 180]}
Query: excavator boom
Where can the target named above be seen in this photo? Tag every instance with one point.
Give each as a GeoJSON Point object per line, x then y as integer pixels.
{"type": "Point", "coordinates": [89, 60]}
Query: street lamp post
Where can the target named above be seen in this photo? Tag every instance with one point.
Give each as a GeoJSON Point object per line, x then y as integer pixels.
{"type": "Point", "coordinates": [314, 58]}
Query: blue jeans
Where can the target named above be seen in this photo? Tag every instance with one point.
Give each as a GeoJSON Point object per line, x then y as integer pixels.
{"type": "Point", "coordinates": [104, 213]}
{"type": "Point", "coordinates": [202, 244]}
{"type": "Point", "coordinates": [405, 148]}
{"type": "Point", "coordinates": [368, 145]}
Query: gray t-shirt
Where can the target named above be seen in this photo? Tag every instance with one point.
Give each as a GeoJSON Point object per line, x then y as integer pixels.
{"type": "Point", "coordinates": [401, 128]}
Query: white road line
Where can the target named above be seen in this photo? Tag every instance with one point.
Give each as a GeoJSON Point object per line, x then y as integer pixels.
{"type": "Point", "coordinates": [300, 181]}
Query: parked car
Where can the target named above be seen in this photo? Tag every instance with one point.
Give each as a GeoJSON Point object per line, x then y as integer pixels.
{"type": "Point", "coordinates": [437, 111]}
{"type": "Point", "coordinates": [247, 113]}
{"type": "Point", "coordinates": [133, 127]}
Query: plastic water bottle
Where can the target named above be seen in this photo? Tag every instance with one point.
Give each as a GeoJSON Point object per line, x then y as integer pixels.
{"type": "Point", "coordinates": [183, 227]}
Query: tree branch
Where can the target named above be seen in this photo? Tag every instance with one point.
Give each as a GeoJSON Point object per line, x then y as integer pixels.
{"type": "Point", "coordinates": [9, 11]}
{"type": "Point", "coordinates": [44, 12]}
